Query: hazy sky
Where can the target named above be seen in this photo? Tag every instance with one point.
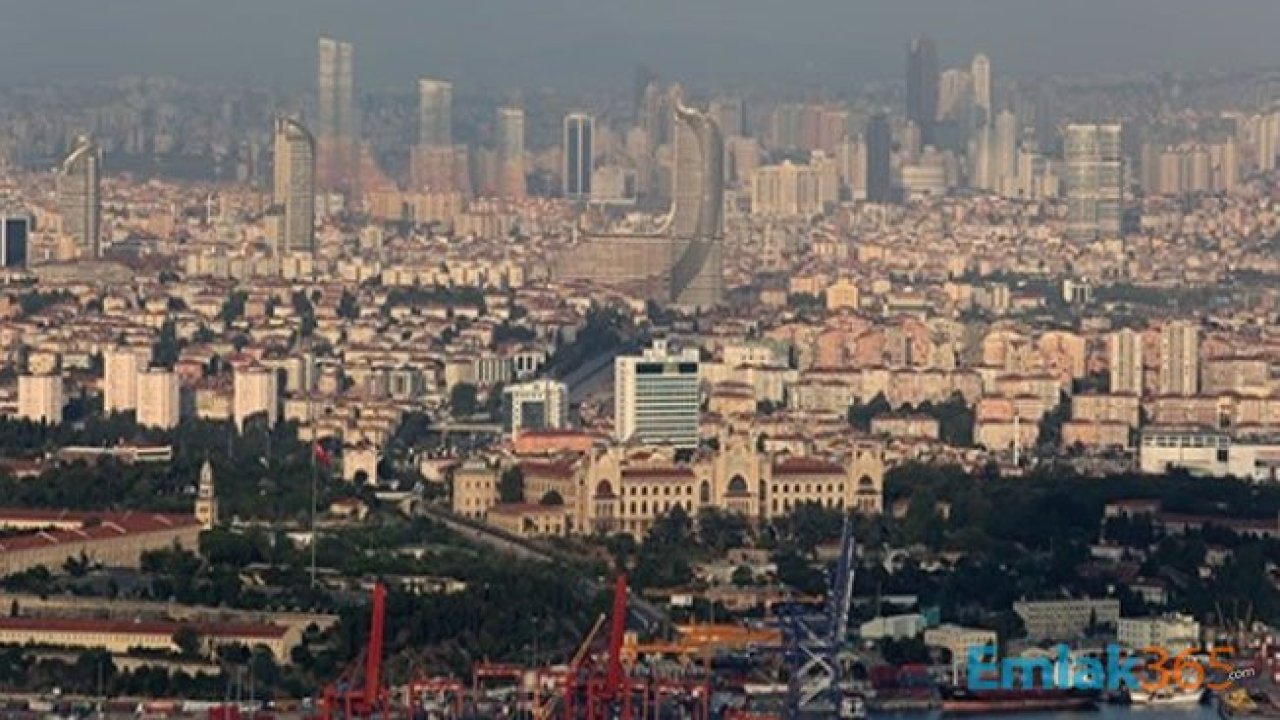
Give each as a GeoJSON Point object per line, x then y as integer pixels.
{"type": "Point", "coordinates": [523, 43]}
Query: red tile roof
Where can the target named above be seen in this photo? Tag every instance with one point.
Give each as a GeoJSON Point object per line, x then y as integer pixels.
{"type": "Point", "coordinates": [140, 627]}
{"type": "Point", "coordinates": [807, 466]}
{"type": "Point", "coordinates": [109, 525]}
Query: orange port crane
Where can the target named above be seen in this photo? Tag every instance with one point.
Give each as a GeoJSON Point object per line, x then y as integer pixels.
{"type": "Point", "coordinates": [359, 694]}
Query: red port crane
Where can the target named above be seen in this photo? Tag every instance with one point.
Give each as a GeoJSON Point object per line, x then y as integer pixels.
{"type": "Point", "coordinates": [361, 694]}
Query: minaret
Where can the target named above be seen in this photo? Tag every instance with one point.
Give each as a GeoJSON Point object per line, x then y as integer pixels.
{"type": "Point", "coordinates": [206, 499]}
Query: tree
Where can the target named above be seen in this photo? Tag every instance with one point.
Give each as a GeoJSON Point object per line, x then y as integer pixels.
{"type": "Point", "coordinates": [742, 576]}
{"type": "Point", "coordinates": [348, 307]}
{"type": "Point", "coordinates": [720, 531]}
{"type": "Point", "coordinates": [860, 416]}
{"type": "Point", "coordinates": [187, 640]}
{"type": "Point", "coordinates": [511, 485]}
{"type": "Point", "coordinates": [462, 400]}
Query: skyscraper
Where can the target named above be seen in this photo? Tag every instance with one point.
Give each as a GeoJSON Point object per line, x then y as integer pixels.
{"type": "Point", "coordinates": [1005, 151]}
{"type": "Point", "coordinates": [294, 187]}
{"type": "Point", "coordinates": [980, 70]}
{"type": "Point", "coordinates": [79, 197]}
{"type": "Point", "coordinates": [879, 141]}
{"type": "Point", "coordinates": [697, 213]}
{"type": "Point", "coordinates": [656, 397]}
{"type": "Point", "coordinates": [1124, 355]}
{"type": "Point", "coordinates": [435, 113]}
{"type": "Point", "coordinates": [436, 164]}
{"type": "Point", "coordinates": [1179, 359]}
{"type": "Point", "coordinates": [511, 180]}
{"type": "Point", "coordinates": [337, 134]}
{"type": "Point", "coordinates": [1095, 172]}
{"type": "Point", "coordinates": [922, 86]}
{"type": "Point", "coordinates": [15, 232]}
{"type": "Point", "coordinates": [579, 157]}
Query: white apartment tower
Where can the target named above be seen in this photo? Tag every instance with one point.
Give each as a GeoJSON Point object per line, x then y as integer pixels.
{"type": "Point", "coordinates": [40, 398]}
{"type": "Point", "coordinates": [159, 399]}
{"type": "Point", "coordinates": [255, 392]}
{"type": "Point", "coordinates": [120, 378]}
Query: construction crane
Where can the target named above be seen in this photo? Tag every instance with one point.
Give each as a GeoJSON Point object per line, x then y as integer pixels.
{"type": "Point", "coordinates": [812, 642]}
{"type": "Point", "coordinates": [358, 694]}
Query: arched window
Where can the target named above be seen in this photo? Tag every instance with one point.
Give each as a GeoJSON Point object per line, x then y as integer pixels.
{"type": "Point", "coordinates": [738, 485]}
{"type": "Point", "coordinates": [704, 493]}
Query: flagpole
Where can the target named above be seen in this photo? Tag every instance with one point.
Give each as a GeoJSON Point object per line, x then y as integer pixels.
{"type": "Point", "coordinates": [315, 538]}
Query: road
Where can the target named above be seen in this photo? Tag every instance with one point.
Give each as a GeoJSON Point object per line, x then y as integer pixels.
{"type": "Point", "coordinates": [649, 616]}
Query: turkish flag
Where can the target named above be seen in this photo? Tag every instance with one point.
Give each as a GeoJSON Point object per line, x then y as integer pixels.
{"type": "Point", "coordinates": [322, 456]}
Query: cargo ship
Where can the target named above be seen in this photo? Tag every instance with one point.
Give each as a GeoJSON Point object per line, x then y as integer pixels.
{"type": "Point", "coordinates": [960, 701]}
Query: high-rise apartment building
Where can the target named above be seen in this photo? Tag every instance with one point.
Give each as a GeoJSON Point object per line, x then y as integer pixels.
{"type": "Point", "coordinates": [159, 400]}
{"type": "Point", "coordinates": [40, 398]}
{"type": "Point", "coordinates": [510, 153]}
{"type": "Point", "coordinates": [980, 70]}
{"type": "Point", "coordinates": [120, 378]}
{"type": "Point", "coordinates": [879, 141]}
{"type": "Point", "coordinates": [656, 397]}
{"type": "Point", "coordinates": [1004, 163]}
{"type": "Point", "coordinates": [535, 405]}
{"type": "Point", "coordinates": [435, 113]}
{"type": "Point", "coordinates": [1124, 356]}
{"type": "Point", "coordinates": [255, 392]}
{"type": "Point", "coordinates": [922, 86]}
{"type": "Point", "coordinates": [80, 197]}
{"type": "Point", "coordinates": [1094, 180]}
{"type": "Point", "coordinates": [579, 155]}
{"type": "Point", "coordinates": [787, 190]}
{"type": "Point", "coordinates": [1180, 359]}
{"type": "Point", "coordinates": [436, 163]}
{"type": "Point", "coordinates": [337, 132]}
{"type": "Point", "coordinates": [294, 187]}
{"type": "Point", "coordinates": [15, 235]}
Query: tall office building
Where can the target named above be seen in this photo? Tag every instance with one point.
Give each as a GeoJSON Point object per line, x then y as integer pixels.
{"type": "Point", "coordinates": [1095, 176]}
{"type": "Point", "coordinates": [15, 234]}
{"type": "Point", "coordinates": [1180, 359]}
{"type": "Point", "coordinates": [294, 188]}
{"type": "Point", "coordinates": [255, 392]}
{"type": "Point", "coordinates": [879, 141]}
{"type": "Point", "coordinates": [1124, 356]}
{"type": "Point", "coordinates": [80, 197]}
{"type": "Point", "coordinates": [656, 397]}
{"type": "Point", "coordinates": [730, 114]}
{"type": "Point", "coordinates": [510, 153]}
{"type": "Point", "coordinates": [697, 213]}
{"type": "Point", "coordinates": [980, 70]}
{"type": "Point", "coordinates": [435, 113]}
{"type": "Point", "coordinates": [922, 86]}
{"type": "Point", "coordinates": [158, 399]}
{"type": "Point", "coordinates": [579, 155]}
{"type": "Point", "coordinates": [436, 163]}
{"type": "Point", "coordinates": [535, 405]}
{"type": "Point", "coordinates": [40, 398]}
{"type": "Point", "coordinates": [337, 134]}
{"type": "Point", "coordinates": [120, 378]}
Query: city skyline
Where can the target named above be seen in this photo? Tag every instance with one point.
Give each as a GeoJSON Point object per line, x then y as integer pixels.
{"type": "Point", "coordinates": [833, 40]}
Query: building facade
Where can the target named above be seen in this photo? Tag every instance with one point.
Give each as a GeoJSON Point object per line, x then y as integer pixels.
{"type": "Point", "coordinates": [656, 397]}
{"type": "Point", "coordinates": [293, 188]}
{"type": "Point", "coordinates": [80, 197]}
{"type": "Point", "coordinates": [579, 155]}
{"type": "Point", "coordinates": [1095, 181]}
